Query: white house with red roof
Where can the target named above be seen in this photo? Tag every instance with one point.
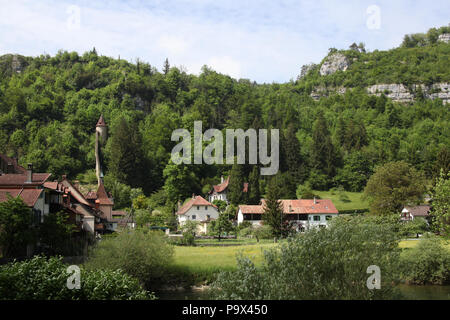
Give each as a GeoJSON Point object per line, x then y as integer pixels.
{"type": "Point", "coordinates": [304, 213]}
{"type": "Point", "coordinates": [200, 210]}
{"type": "Point", "coordinates": [409, 213]}
{"type": "Point", "coordinates": [219, 191]}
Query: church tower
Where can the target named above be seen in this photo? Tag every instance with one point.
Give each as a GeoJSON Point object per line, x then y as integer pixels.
{"type": "Point", "coordinates": [101, 134]}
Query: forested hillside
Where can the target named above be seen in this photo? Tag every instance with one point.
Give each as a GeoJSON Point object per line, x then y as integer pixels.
{"type": "Point", "coordinates": [49, 107]}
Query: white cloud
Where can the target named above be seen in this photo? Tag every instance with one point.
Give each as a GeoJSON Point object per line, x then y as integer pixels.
{"type": "Point", "coordinates": [225, 65]}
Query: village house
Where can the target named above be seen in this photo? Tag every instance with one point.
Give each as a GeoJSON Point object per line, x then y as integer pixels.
{"type": "Point", "coordinates": [44, 197]}
{"type": "Point", "coordinates": [410, 213]}
{"type": "Point", "coordinates": [303, 213]}
{"type": "Point", "coordinates": [199, 210]}
{"type": "Point", "coordinates": [219, 192]}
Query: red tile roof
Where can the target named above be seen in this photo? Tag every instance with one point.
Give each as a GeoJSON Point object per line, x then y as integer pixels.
{"type": "Point", "coordinates": [16, 166]}
{"type": "Point", "coordinates": [91, 195]}
{"type": "Point", "coordinates": [29, 196]}
{"type": "Point", "coordinates": [196, 201]}
{"type": "Point", "coordinates": [419, 211]}
{"type": "Point", "coordinates": [224, 185]}
{"type": "Point", "coordinates": [251, 209]}
{"type": "Point", "coordinates": [20, 179]}
{"type": "Point", "coordinates": [102, 196]}
{"type": "Point", "coordinates": [303, 206]}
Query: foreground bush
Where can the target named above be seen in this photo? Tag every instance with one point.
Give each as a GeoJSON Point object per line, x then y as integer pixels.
{"type": "Point", "coordinates": [427, 263]}
{"type": "Point", "coordinates": [320, 264]}
{"type": "Point", "coordinates": [143, 255]}
{"type": "Point", "coordinates": [46, 279]}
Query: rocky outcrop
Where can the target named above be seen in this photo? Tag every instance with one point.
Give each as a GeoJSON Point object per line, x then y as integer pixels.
{"type": "Point", "coordinates": [335, 62]}
{"type": "Point", "coordinates": [305, 69]}
{"type": "Point", "coordinates": [16, 65]}
{"type": "Point", "coordinates": [400, 93]}
{"type": "Point", "coordinates": [445, 37]}
{"type": "Point", "coordinates": [396, 92]}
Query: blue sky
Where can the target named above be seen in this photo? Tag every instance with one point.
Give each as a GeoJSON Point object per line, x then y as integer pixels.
{"type": "Point", "coordinates": [265, 41]}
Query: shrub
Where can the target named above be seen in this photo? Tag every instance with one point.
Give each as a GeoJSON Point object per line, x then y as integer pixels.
{"type": "Point", "coordinates": [46, 279]}
{"type": "Point", "coordinates": [144, 255]}
{"type": "Point", "coordinates": [326, 263]}
{"type": "Point", "coordinates": [263, 232]}
{"type": "Point", "coordinates": [427, 263]}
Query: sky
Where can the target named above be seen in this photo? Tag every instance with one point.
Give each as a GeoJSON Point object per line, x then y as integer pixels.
{"type": "Point", "coordinates": [264, 41]}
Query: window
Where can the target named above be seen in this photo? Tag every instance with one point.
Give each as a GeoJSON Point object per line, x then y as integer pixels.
{"type": "Point", "coordinates": [198, 207]}
{"type": "Point", "coordinates": [316, 218]}
{"type": "Point", "coordinates": [206, 208]}
{"type": "Point", "coordinates": [208, 216]}
{"type": "Point", "coordinates": [328, 218]}
{"type": "Point", "coordinates": [194, 217]}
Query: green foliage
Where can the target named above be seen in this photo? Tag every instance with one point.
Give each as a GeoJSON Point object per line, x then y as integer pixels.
{"type": "Point", "coordinates": [236, 185]}
{"type": "Point", "coordinates": [55, 232]}
{"type": "Point", "coordinates": [221, 205]}
{"type": "Point", "coordinates": [393, 186]}
{"type": "Point", "coordinates": [320, 264]}
{"type": "Point", "coordinates": [46, 279]}
{"type": "Point", "coordinates": [254, 194]}
{"type": "Point", "coordinates": [16, 229]}
{"type": "Point", "coordinates": [441, 204]}
{"type": "Point", "coordinates": [48, 113]}
{"type": "Point", "coordinates": [189, 229]}
{"type": "Point", "coordinates": [304, 191]}
{"type": "Point", "coordinates": [143, 255]}
{"type": "Point", "coordinates": [427, 263]}
{"type": "Point", "coordinates": [262, 232]}
{"type": "Point", "coordinates": [273, 211]}
{"type": "Point", "coordinates": [415, 227]}
{"type": "Point", "coordinates": [221, 225]}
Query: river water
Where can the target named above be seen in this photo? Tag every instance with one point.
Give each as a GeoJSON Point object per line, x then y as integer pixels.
{"type": "Point", "coordinates": [410, 292]}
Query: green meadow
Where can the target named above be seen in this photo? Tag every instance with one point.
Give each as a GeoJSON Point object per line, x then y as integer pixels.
{"type": "Point", "coordinates": [350, 201]}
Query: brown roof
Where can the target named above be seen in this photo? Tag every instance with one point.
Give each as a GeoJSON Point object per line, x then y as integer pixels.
{"type": "Point", "coordinates": [91, 195]}
{"type": "Point", "coordinates": [20, 179]}
{"type": "Point", "coordinates": [16, 166]}
{"type": "Point", "coordinates": [303, 206]}
{"type": "Point", "coordinates": [224, 185]}
{"type": "Point", "coordinates": [420, 211]}
{"type": "Point", "coordinates": [196, 201]}
{"type": "Point", "coordinates": [252, 209]}
{"type": "Point", "coordinates": [101, 122]}
{"type": "Point", "coordinates": [29, 196]}
{"type": "Point", "coordinates": [102, 196]}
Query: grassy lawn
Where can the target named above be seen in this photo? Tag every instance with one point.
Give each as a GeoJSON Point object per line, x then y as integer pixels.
{"type": "Point", "coordinates": [195, 265]}
{"type": "Point", "coordinates": [355, 202]}
{"type": "Point", "coordinates": [205, 261]}
{"type": "Point", "coordinates": [239, 241]}
{"type": "Point", "coordinates": [413, 243]}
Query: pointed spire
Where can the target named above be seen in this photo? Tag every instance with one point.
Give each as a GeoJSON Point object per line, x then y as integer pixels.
{"type": "Point", "coordinates": [101, 122]}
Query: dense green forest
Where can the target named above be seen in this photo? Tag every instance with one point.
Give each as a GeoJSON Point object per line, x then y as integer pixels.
{"type": "Point", "coordinates": [49, 107]}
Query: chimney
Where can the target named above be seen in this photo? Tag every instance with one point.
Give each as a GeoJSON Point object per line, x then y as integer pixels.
{"type": "Point", "coordinates": [315, 202]}
{"type": "Point", "coordinates": [193, 196]}
{"type": "Point", "coordinates": [221, 179]}
{"type": "Point", "coordinates": [10, 168]}
{"type": "Point", "coordinates": [30, 173]}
